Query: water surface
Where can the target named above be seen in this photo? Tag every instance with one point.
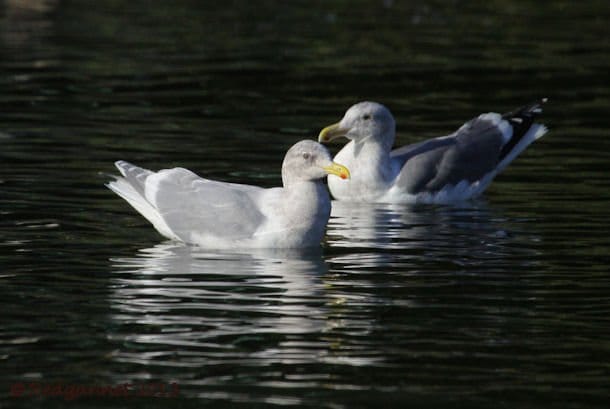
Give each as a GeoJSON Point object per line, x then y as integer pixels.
{"type": "Point", "coordinates": [500, 302]}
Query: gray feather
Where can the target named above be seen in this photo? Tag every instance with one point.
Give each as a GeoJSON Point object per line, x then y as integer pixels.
{"type": "Point", "coordinates": [189, 204]}
{"type": "Point", "coordinates": [468, 154]}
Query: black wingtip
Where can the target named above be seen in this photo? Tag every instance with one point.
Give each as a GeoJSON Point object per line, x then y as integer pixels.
{"type": "Point", "coordinates": [521, 120]}
{"type": "Point", "coordinates": [526, 112]}
{"type": "Point", "coordinates": [536, 107]}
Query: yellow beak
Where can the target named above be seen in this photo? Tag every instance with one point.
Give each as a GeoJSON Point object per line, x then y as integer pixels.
{"type": "Point", "coordinates": [337, 170]}
{"type": "Point", "coordinates": [331, 132]}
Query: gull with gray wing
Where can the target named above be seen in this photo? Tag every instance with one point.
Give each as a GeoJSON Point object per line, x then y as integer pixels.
{"type": "Point", "coordinates": [442, 170]}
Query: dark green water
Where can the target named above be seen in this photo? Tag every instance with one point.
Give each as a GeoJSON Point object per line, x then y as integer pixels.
{"type": "Point", "coordinates": [503, 303]}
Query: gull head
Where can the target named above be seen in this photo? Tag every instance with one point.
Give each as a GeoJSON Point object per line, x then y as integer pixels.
{"type": "Point", "coordinates": [308, 160]}
{"type": "Point", "coordinates": [363, 121]}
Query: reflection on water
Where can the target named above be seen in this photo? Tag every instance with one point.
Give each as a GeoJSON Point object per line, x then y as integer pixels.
{"type": "Point", "coordinates": [182, 307]}
{"type": "Point", "coordinates": [465, 235]}
{"type": "Point", "coordinates": [288, 319]}
{"type": "Point", "coordinates": [198, 298]}
{"type": "Point", "coordinates": [394, 226]}
{"type": "Point", "coordinates": [499, 303]}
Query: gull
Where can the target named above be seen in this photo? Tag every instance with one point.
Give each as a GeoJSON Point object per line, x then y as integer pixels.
{"type": "Point", "coordinates": [443, 170]}
{"type": "Point", "coordinates": [212, 214]}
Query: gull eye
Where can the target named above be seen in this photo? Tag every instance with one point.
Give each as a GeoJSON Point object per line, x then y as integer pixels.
{"type": "Point", "coordinates": [306, 155]}
{"type": "Point", "coordinates": [366, 117]}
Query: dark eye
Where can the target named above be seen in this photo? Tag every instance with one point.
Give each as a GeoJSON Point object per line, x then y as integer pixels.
{"type": "Point", "coordinates": [366, 117]}
{"type": "Point", "coordinates": [306, 155]}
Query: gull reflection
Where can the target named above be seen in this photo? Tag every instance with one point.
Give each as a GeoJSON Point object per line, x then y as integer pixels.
{"type": "Point", "coordinates": [173, 295]}
{"type": "Point", "coordinates": [382, 234]}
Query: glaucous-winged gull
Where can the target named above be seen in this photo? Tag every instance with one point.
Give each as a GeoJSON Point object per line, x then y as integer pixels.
{"type": "Point", "coordinates": [185, 207]}
{"type": "Point", "coordinates": [442, 170]}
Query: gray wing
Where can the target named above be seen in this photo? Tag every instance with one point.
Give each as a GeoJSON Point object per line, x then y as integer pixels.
{"type": "Point", "coordinates": [190, 204]}
{"type": "Point", "coordinates": [469, 154]}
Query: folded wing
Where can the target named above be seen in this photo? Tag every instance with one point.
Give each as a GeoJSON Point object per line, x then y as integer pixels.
{"type": "Point", "coordinates": [181, 204]}
{"type": "Point", "coordinates": [479, 150]}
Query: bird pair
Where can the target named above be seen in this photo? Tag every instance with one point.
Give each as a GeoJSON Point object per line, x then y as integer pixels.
{"type": "Point", "coordinates": [454, 168]}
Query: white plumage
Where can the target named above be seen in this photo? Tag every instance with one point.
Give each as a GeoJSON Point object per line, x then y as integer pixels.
{"type": "Point", "coordinates": [183, 206]}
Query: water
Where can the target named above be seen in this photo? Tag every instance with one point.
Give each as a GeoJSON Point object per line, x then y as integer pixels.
{"type": "Point", "coordinates": [502, 302]}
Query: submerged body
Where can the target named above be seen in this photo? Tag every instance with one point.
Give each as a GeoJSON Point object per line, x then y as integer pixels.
{"type": "Point", "coordinates": [185, 207]}
{"type": "Point", "coordinates": [443, 170]}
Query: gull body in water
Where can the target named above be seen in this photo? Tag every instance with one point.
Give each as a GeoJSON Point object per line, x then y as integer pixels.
{"type": "Point", "coordinates": [185, 207]}
{"type": "Point", "coordinates": [442, 170]}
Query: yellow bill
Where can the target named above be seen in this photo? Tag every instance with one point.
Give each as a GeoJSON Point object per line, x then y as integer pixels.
{"type": "Point", "coordinates": [337, 170]}
{"type": "Point", "coordinates": [331, 132]}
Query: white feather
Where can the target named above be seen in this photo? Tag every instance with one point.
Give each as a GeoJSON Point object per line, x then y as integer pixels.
{"type": "Point", "coordinates": [122, 188]}
{"type": "Point", "coordinates": [535, 132]}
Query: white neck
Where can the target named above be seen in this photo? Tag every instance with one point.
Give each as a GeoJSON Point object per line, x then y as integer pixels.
{"type": "Point", "coordinates": [372, 158]}
{"type": "Point", "coordinates": [306, 201]}
{"type": "Point", "coordinates": [370, 168]}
